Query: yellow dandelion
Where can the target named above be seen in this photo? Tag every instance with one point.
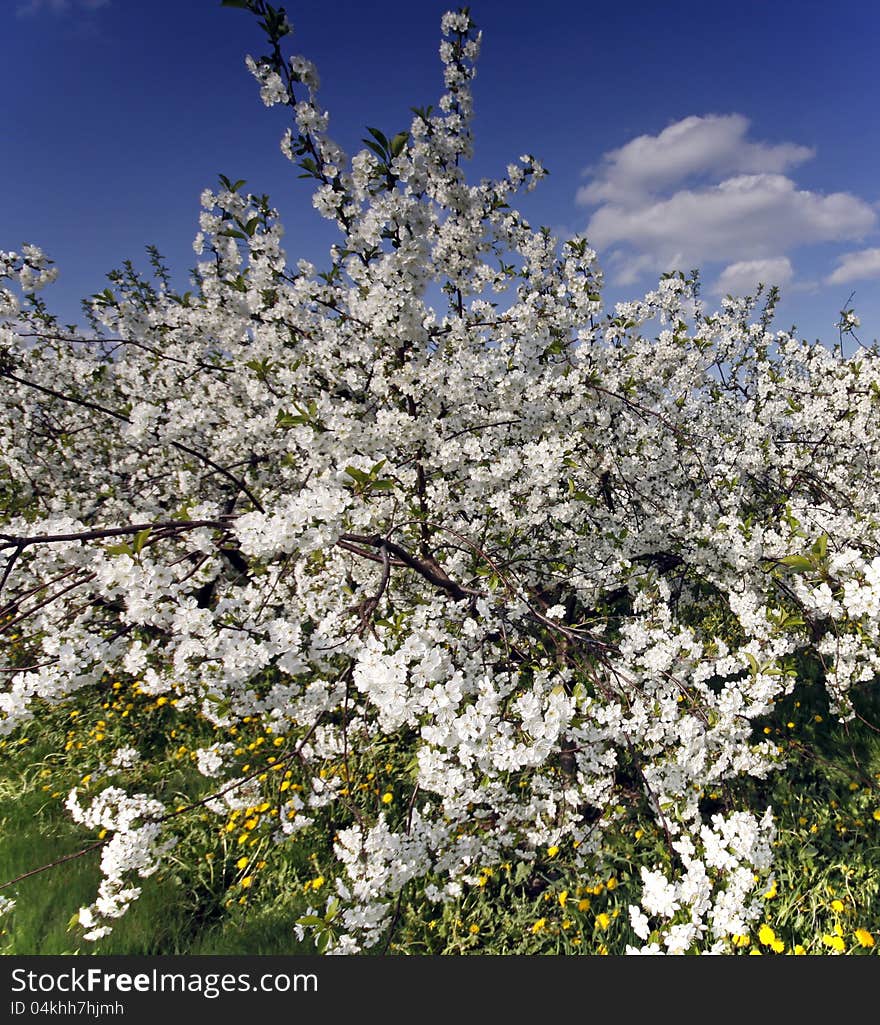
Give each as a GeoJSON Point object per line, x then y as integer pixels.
{"type": "Point", "coordinates": [603, 920]}
{"type": "Point", "coordinates": [837, 905]}
{"type": "Point", "coordinates": [864, 938]}
{"type": "Point", "coordinates": [834, 942]}
{"type": "Point", "coordinates": [552, 851]}
{"type": "Point", "coordinates": [387, 797]}
{"type": "Point", "coordinates": [246, 882]}
{"type": "Point", "coordinates": [473, 929]}
{"type": "Point", "coordinates": [766, 935]}
{"type": "Point", "coordinates": [539, 926]}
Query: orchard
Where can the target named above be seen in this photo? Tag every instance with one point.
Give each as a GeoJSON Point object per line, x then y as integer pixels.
{"type": "Point", "coordinates": [476, 625]}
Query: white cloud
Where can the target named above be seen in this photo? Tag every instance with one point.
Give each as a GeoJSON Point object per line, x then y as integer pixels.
{"type": "Point", "coordinates": [743, 277]}
{"type": "Point", "coordinates": [702, 192]}
{"type": "Point", "coordinates": [748, 217]}
{"type": "Point", "coordinates": [686, 149]}
{"type": "Point", "coordinates": [857, 266]}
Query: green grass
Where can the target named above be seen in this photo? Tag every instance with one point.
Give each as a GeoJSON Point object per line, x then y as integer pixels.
{"type": "Point", "coordinates": [193, 905]}
{"type": "Point", "coordinates": [163, 920]}
{"type": "Point", "coordinates": [35, 832]}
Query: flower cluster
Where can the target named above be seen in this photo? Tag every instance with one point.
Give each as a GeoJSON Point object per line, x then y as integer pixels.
{"type": "Point", "coordinates": [136, 847]}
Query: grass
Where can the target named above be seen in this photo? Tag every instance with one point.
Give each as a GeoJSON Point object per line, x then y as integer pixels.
{"type": "Point", "coordinates": [194, 905]}
{"type": "Point", "coordinates": [163, 920]}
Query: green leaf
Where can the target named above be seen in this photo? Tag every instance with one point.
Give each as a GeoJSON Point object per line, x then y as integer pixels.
{"type": "Point", "coordinates": [798, 563]}
{"type": "Point", "coordinates": [120, 549]}
{"type": "Point", "coordinates": [358, 475]}
{"type": "Point", "coordinates": [398, 143]}
{"type": "Point", "coordinates": [379, 137]}
{"type": "Point", "coordinates": [243, 5]}
{"type": "Point", "coordinates": [140, 539]}
{"type": "Point", "coordinates": [312, 920]}
{"type": "Point", "coordinates": [290, 420]}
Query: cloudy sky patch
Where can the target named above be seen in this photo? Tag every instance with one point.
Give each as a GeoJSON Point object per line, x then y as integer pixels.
{"type": "Point", "coordinates": [862, 265]}
{"type": "Point", "coordinates": [686, 149]}
{"type": "Point", "coordinates": [702, 192]}
{"type": "Point", "coordinates": [742, 278]}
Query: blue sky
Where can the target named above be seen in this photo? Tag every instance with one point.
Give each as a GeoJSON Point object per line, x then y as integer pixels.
{"type": "Point", "coordinates": [738, 138]}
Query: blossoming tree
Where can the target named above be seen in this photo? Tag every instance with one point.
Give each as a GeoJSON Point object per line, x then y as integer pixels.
{"type": "Point", "coordinates": [560, 566]}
